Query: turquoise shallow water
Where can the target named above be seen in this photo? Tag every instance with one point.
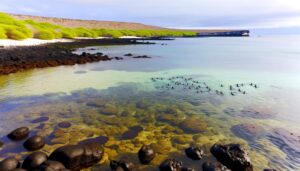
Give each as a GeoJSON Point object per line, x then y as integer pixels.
{"type": "Point", "coordinates": [264, 119]}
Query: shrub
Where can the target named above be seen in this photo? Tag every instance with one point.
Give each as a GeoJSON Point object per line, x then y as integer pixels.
{"type": "Point", "coordinates": [45, 35]}
{"type": "Point", "coordinates": [15, 34]}
{"type": "Point", "coordinates": [2, 34]}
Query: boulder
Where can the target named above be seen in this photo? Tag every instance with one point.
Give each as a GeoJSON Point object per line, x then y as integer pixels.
{"type": "Point", "coordinates": [19, 133]}
{"type": "Point", "coordinates": [170, 165]}
{"type": "Point", "coordinates": [34, 160]}
{"type": "Point", "coordinates": [194, 153]}
{"type": "Point", "coordinates": [76, 157]}
{"type": "Point", "coordinates": [233, 156]}
{"type": "Point", "coordinates": [121, 165]}
{"type": "Point", "coordinates": [146, 154]}
{"type": "Point", "coordinates": [50, 165]}
{"type": "Point", "coordinates": [9, 164]}
{"type": "Point", "coordinates": [34, 143]}
{"type": "Point", "coordinates": [213, 166]}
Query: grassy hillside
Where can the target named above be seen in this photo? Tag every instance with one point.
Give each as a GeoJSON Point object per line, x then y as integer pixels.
{"type": "Point", "coordinates": [12, 28]}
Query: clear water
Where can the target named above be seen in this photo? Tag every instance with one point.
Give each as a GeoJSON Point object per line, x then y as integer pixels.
{"type": "Point", "coordinates": [264, 119]}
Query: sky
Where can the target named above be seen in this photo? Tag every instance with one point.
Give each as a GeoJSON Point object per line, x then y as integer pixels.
{"type": "Point", "coordinates": [242, 14]}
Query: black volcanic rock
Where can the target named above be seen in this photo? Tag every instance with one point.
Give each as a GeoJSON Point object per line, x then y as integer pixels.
{"type": "Point", "coordinates": [50, 165]}
{"type": "Point", "coordinates": [34, 160]}
{"type": "Point", "coordinates": [146, 154]}
{"type": "Point", "coordinates": [213, 166]}
{"type": "Point", "coordinates": [34, 143]}
{"type": "Point", "coordinates": [170, 165]}
{"type": "Point", "coordinates": [76, 157]}
{"type": "Point", "coordinates": [19, 133]}
{"type": "Point", "coordinates": [194, 153]}
{"type": "Point", "coordinates": [233, 156]}
{"type": "Point", "coordinates": [9, 164]}
{"type": "Point", "coordinates": [121, 165]}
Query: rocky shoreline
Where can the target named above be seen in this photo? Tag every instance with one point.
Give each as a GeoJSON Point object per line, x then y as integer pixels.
{"type": "Point", "coordinates": [17, 59]}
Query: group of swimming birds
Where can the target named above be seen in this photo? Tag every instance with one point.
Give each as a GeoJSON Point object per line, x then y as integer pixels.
{"type": "Point", "coordinates": [189, 83]}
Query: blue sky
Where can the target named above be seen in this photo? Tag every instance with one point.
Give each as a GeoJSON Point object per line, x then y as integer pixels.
{"type": "Point", "coordinates": [250, 14]}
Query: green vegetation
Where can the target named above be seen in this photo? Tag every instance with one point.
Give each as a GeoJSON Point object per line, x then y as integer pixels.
{"type": "Point", "coordinates": [16, 29]}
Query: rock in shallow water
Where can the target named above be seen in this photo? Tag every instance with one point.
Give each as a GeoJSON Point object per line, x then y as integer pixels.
{"type": "Point", "coordinates": [20, 169]}
{"type": "Point", "coordinates": [40, 119]}
{"type": "Point", "coordinates": [170, 165]}
{"type": "Point", "coordinates": [233, 156]}
{"type": "Point", "coordinates": [19, 133]}
{"type": "Point", "coordinates": [132, 132]}
{"type": "Point", "coordinates": [34, 160]}
{"type": "Point", "coordinates": [76, 157]}
{"type": "Point", "coordinates": [215, 166]}
{"type": "Point", "coordinates": [9, 164]}
{"type": "Point", "coordinates": [194, 153]}
{"type": "Point", "coordinates": [65, 124]}
{"type": "Point", "coordinates": [146, 154]}
{"type": "Point", "coordinates": [193, 125]}
{"type": "Point", "coordinates": [50, 165]}
{"type": "Point", "coordinates": [121, 165]}
{"type": "Point", "coordinates": [248, 131]}
{"type": "Point", "coordinates": [1, 144]}
{"type": "Point", "coordinates": [34, 143]}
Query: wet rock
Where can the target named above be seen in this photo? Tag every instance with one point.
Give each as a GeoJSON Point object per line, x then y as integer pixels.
{"type": "Point", "coordinates": [187, 169]}
{"type": "Point", "coordinates": [128, 54]}
{"type": "Point", "coordinates": [132, 132]}
{"type": "Point", "coordinates": [269, 169]}
{"type": "Point", "coordinates": [170, 165]}
{"type": "Point", "coordinates": [50, 165]}
{"type": "Point", "coordinates": [213, 166]}
{"type": "Point", "coordinates": [76, 157]}
{"type": "Point", "coordinates": [287, 141]}
{"type": "Point", "coordinates": [34, 160]}
{"type": "Point", "coordinates": [20, 169]}
{"type": "Point", "coordinates": [248, 131]}
{"type": "Point", "coordinates": [19, 134]}
{"type": "Point", "coordinates": [34, 143]}
{"type": "Point", "coordinates": [65, 124]}
{"type": "Point", "coordinates": [1, 144]}
{"type": "Point", "coordinates": [146, 154]}
{"type": "Point", "coordinates": [142, 56]}
{"type": "Point", "coordinates": [96, 103]}
{"type": "Point", "coordinates": [193, 125]}
{"type": "Point", "coordinates": [121, 165]}
{"type": "Point", "coordinates": [9, 164]}
{"type": "Point", "coordinates": [194, 153]}
{"type": "Point", "coordinates": [40, 119]}
{"type": "Point", "coordinates": [233, 156]}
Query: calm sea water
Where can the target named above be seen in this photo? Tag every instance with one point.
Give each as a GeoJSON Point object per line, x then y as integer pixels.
{"type": "Point", "coordinates": [174, 96]}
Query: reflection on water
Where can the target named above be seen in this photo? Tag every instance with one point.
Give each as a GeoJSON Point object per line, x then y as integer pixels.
{"type": "Point", "coordinates": [173, 100]}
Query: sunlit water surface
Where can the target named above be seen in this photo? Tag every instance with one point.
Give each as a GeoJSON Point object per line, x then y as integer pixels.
{"type": "Point", "coordinates": [124, 104]}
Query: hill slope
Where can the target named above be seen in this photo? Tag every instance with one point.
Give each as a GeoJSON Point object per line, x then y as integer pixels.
{"type": "Point", "coordinates": [88, 23]}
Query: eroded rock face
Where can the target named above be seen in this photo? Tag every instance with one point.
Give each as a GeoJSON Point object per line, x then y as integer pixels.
{"type": "Point", "coordinates": [194, 153]}
{"type": "Point", "coordinates": [233, 156]}
{"type": "Point", "coordinates": [19, 133]}
{"type": "Point", "coordinates": [34, 143]}
{"type": "Point", "coordinates": [248, 131]}
{"type": "Point", "coordinates": [76, 157]}
{"type": "Point", "coordinates": [146, 154]}
{"type": "Point", "coordinates": [34, 160]}
{"type": "Point", "coordinates": [121, 165]}
{"type": "Point", "coordinates": [9, 164]}
{"type": "Point", "coordinates": [170, 165]}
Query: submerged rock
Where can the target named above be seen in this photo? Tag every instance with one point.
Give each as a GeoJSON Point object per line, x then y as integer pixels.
{"type": "Point", "coordinates": [96, 103]}
{"type": "Point", "coordinates": [213, 166]}
{"type": "Point", "coordinates": [50, 165]}
{"type": "Point", "coordinates": [248, 131]}
{"type": "Point", "coordinates": [146, 154]}
{"type": "Point", "coordinates": [193, 125]}
{"type": "Point", "coordinates": [99, 140]}
{"type": "Point", "coordinates": [34, 143]}
{"type": "Point", "coordinates": [76, 157]}
{"type": "Point", "coordinates": [121, 165]}
{"type": "Point", "coordinates": [194, 153]}
{"type": "Point", "coordinates": [34, 160]}
{"type": "Point", "coordinates": [40, 119]}
{"type": "Point", "coordinates": [287, 141]}
{"type": "Point", "coordinates": [65, 124]}
{"type": "Point", "coordinates": [19, 133]}
{"type": "Point", "coordinates": [132, 132]}
{"type": "Point", "coordinates": [233, 156]}
{"type": "Point", "coordinates": [170, 165]}
{"type": "Point", "coordinates": [9, 164]}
